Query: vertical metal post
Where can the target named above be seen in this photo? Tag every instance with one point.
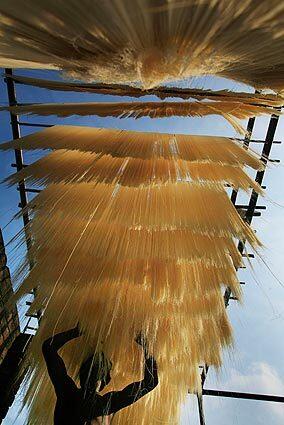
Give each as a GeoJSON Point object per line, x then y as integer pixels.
{"type": "Point", "coordinates": [18, 153]}
{"type": "Point", "coordinates": [200, 409]}
{"type": "Point", "coordinates": [264, 155]}
{"type": "Point", "coordinates": [19, 166]}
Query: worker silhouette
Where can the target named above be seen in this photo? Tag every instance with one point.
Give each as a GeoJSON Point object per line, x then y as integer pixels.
{"type": "Point", "coordinates": [85, 406]}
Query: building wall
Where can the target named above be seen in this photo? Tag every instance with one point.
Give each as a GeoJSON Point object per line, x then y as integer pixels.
{"type": "Point", "coordinates": [9, 320]}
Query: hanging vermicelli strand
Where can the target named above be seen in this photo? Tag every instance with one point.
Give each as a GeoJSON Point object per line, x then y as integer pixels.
{"type": "Point", "coordinates": [134, 144]}
{"type": "Point", "coordinates": [238, 110]}
{"type": "Point", "coordinates": [147, 42]}
{"type": "Point", "coordinates": [166, 206]}
{"type": "Point", "coordinates": [65, 166]}
{"type": "Point", "coordinates": [231, 111]}
{"type": "Point", "coordinates": [255, 99]}
{"type": "Point", "coordinates": [124, 217]}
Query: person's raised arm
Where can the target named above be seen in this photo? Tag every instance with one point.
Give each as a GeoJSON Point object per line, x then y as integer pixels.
{"type": "Point", "coordinates": [150, 369]}
{"type": "Point", "coordinates": [55, 365]}
{"type": "Point", "coordinates": [114, 401]}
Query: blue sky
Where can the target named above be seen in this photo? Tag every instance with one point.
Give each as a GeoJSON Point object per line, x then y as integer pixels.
{"type": "Point", "coordinates": [256, 362]}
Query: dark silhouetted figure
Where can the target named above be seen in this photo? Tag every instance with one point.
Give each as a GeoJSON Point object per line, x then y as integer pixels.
{"type": "Point", "coordinates": [84, 406]}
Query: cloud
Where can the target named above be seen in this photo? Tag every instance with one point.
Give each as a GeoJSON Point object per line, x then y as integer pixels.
{"type": "Point", "coordinates": [259, 377]}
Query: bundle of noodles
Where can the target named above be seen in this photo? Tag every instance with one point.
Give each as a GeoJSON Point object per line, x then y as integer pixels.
{"type": "Point", "coordinates": [65, 166]}
{"type": "Point", "coordinates": [147, 41]}
{"type": "Point", "coordinates": [232, 111]}
{"type": "Point", "coordinates": [135, 144]}
{"type": "Point", "coordinates": [161, 92]}
{"type": "Point", "coordinates": [133, 232]}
